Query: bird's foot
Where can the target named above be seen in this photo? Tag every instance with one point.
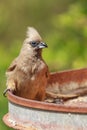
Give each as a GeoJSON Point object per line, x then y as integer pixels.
{"type": "Point", "coordinates": [5, 92]}
{"type": "Point", "coordinates": [58, 101]}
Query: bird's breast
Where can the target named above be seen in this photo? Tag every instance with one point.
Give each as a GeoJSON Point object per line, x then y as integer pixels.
{"type": "Point", "coordinates": [39, 72]}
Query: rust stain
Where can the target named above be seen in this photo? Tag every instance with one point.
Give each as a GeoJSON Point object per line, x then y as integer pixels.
{"type": "Point", "coordinates": [62, 83]}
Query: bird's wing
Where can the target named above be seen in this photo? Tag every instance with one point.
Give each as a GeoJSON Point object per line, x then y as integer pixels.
{"type": "Point", "coordinates": [13, 65]}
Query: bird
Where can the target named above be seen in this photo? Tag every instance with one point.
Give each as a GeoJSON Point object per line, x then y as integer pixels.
{"type": "Point", "coordinates": [28, 74]}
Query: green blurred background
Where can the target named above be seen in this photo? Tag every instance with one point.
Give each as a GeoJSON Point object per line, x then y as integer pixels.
{"type": "Point", "coordinates": [61, 23]}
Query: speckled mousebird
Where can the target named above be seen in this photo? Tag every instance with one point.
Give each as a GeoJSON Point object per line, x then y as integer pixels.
{"type": "Point", "coordinates": [28, 74]}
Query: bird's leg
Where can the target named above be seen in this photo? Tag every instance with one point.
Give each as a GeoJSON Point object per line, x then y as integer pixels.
{"type": "Point", "coordinates": [11, 86]}
{"type": "Point", "coordinates": [5, 91]}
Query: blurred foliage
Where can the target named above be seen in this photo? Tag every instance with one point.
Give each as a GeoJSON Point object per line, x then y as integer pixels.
{"type": "Point", "coordinates": [69, 38]}
{"type": "Point", "coordinates": [62, 24]}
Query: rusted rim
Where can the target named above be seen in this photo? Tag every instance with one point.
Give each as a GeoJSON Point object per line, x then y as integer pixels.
{"type": "Point", "coordinates": [18, 126]}
{"type": "Point", "coordinates": [74, 108]}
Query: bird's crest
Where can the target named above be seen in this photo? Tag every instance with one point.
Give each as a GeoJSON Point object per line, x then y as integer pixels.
{"type": "Point", "coordinates": [32, 34]}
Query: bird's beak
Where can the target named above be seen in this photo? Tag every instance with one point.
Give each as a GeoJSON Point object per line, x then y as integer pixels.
{"type": "Point", "coordinates": [42, 45]}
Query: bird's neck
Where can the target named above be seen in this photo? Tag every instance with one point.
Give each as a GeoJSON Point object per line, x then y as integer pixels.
{"type": "Point", "coordinates": [38, 54]}
{"type": "Point", "coordinates": [30, 54]}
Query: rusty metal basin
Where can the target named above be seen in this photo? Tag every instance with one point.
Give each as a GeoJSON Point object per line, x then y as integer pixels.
{"type": "Point", "coordinates": [24, 114]}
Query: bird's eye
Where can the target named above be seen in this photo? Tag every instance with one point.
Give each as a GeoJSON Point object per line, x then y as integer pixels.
{"type": "Point", "coordinates": [34, 44]}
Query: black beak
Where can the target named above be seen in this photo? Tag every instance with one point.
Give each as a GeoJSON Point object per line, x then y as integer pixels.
{"type": "Point", "coordinates": [42, 45]}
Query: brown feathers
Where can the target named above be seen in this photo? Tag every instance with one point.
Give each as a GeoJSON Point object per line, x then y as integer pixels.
{"type": "Point", "coordinates": [28, 74]}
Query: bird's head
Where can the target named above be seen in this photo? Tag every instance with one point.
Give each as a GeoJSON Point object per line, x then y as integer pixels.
{"type": "Point", "coordinates": [34, 41]}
